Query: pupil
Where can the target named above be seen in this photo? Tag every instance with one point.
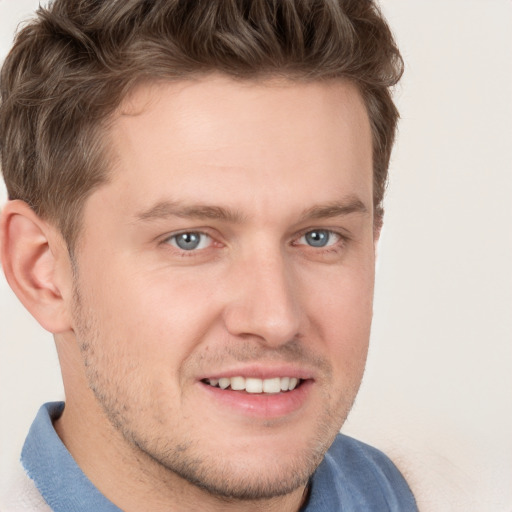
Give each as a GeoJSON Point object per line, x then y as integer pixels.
{"type": "Point", "coordinates": [317, 238]}
{"type": "Point", "coordinates": [188, 241]}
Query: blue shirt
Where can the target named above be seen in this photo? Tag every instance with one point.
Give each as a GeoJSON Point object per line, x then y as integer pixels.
{"type": "Point", "coordinates": [353, 476]}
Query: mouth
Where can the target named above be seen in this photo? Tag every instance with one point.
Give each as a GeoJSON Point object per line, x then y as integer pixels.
{"type": "Point", "coordinates": [251, 385]}
{"type": "Point", "coordinates": [260, 393]}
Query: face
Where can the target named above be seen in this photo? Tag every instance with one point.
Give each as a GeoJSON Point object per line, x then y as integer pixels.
{"type": "Point", "coordinates": [224, 282]}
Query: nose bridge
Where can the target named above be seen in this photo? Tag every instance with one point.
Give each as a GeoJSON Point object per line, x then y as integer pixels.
{"type": "Point", "coordinates": [265, 302]}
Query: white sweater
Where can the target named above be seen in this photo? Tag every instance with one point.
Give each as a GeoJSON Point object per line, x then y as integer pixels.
{"type": "Point", "coordinates": [21, 495]}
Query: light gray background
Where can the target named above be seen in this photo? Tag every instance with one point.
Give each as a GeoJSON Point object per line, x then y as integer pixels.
{"type": "Point", "coordinates": [438, 387]}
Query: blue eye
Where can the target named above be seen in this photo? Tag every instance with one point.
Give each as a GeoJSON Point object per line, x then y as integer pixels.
{"type": "Point", "coordinates": [190, 241]}
{"type": "Point", "coordinates": [319, 238]}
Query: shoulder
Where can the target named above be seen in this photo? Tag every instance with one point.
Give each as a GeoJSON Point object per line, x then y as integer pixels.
{"type": "Point", "coordinates": [364, 461]}
{"type": "Point", "coordinates": [20, 494]}
{"type": "Point", "coordinates": [355, 476]}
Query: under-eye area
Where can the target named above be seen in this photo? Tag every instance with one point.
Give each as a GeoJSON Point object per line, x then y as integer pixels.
{"type": "Point", "coordinates": [253, 385]}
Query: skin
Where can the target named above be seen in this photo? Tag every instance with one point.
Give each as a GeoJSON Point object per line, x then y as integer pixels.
{"type": "Point", "coordinates": [140, 323]}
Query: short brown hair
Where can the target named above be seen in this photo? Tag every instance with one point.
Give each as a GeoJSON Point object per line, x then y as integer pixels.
{"type": "Point", "coordinates": [72, 66]}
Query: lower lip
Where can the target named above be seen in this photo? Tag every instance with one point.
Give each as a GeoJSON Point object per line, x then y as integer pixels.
{"type": "Point", "coordinates": [261, 405]}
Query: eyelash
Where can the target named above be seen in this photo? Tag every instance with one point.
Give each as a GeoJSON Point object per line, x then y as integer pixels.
{"type": "Point", "coordinates": [336, 246]}
{"type": "Point", "coordinates": [184, 252]}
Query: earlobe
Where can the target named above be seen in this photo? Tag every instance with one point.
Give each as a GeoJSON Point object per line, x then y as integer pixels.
{"type": "Point", "coordinates": [31, 255]}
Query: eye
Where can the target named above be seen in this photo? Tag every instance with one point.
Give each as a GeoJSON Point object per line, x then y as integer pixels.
{"type": "Point", "coordinates": [319, 238]}
{"type": "Point", "coordinates": [190, 241]}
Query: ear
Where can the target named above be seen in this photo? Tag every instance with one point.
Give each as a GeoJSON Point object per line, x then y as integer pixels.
{"type": "Point", "coordinates": [34, 259]}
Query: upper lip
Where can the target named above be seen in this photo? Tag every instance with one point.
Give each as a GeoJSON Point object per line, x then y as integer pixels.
{"type": "Point", "coordinates": [262, 371]}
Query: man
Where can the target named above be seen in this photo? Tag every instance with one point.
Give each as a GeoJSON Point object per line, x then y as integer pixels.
{"type": "Point", "coordinates": [195, 194]}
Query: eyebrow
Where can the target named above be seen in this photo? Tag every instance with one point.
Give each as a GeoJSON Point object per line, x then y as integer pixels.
{"type": "Point", "coordinates": [341, 208]}
{"type": "Point", "coordinates": [166, 209]}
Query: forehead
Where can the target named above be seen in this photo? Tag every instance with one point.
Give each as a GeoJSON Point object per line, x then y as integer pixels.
{"type": "Point", "coordinates": [208, 111]}
{"type": "Point", "coordinates": [225, 140]}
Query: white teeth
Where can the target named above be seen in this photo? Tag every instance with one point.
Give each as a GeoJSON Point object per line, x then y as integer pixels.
{"type": "Point", "coordinates": [224, 383]}
{"type": "Point", "coordinates": [238, 383]}
{"type": "Point", "coordinates": [253, 385]}
{"type": "Point", "coordinates": [272, 385]}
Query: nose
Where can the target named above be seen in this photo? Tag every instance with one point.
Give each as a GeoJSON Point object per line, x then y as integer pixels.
{"type": "Point", "coordinates": [264, 301]}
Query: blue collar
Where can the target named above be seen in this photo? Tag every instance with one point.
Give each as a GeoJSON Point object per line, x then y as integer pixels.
{"type": "Point", "coordinates": [54, 471]}
{"type": "Point", "coordinates": [352, 477]}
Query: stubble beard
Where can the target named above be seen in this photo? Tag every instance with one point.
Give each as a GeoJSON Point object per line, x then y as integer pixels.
{"type": "Point", "coordinates": [167, 458]}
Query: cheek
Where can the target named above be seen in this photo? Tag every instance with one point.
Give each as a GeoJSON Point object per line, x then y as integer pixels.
{"type": "Point", "coordinates": [141, 330]}
{"type": "Point", "coordinates": [342, 313]}
{"type": "Point", "coordinates": [158, 317]}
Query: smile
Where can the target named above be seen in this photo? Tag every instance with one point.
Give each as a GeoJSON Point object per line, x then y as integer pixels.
{"type": "Point", "coordinates": [253, 385]}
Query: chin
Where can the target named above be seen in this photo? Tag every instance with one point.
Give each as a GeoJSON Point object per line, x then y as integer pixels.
{"type": "Point", "coordinates": [249, 481]}
{"type": "Point", "coordinates": [263, 470]}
